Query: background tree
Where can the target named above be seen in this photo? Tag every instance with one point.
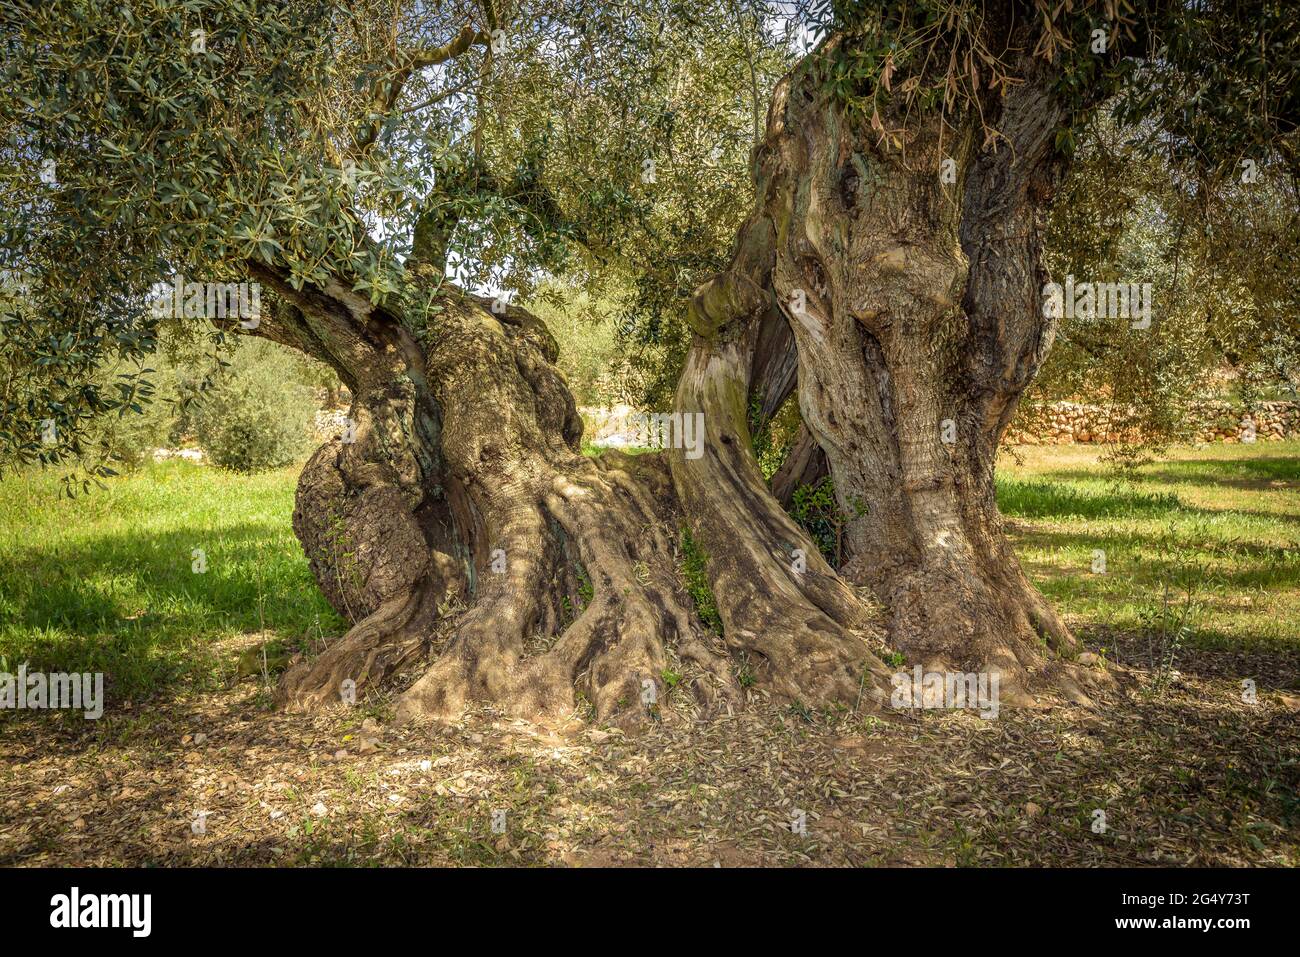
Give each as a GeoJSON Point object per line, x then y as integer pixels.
{"type": "Point", "coordinates": [1216, 254]}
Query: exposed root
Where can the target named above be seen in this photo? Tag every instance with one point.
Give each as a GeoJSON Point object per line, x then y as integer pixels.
{"type": "Point", "coordinates": [614, 653]}
{"type": "Point", "coordinates": [382, 644]}
{"type": "Point", "coordinates": [807, 634]}
{"type": "Point", "coordinates": [964, 620]}
{"type": "Point", "coordinates": [373, 562]}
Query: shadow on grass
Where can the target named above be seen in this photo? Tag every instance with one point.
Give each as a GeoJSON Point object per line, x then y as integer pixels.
{"type": "Point", "coordinates": [1054, 497]}
{"type": "Point", "coordinates": [133, 606]}
{"type": "Point", "coordinates": [1234, 473]}
{"type": "Point", "coordinates": [1274, 568]}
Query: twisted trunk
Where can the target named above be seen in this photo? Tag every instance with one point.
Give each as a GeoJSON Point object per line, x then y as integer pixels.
{"type": "Point", "coordinates": [457, 518]}
{"type": "Point", "coordinates": [463, 523]}
{"type": "Point", "coordinates": [800, 627]}
{"type": "Point", "coordinates": [574, 583]}
{"type": "Point", "coordinates": [383, 544]}
{"type": "Point", "coordinates": [914, 304]}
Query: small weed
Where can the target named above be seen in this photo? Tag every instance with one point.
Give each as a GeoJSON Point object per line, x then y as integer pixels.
{"type": "Point", "coordinates": [694, 570]}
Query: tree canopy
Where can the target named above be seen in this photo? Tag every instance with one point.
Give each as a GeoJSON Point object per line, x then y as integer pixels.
{"type": "Point", "coordinates": [608, 143]}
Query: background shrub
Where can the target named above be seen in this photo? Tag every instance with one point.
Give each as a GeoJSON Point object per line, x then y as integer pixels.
{"type": "Point", "coordinates": [253, 415]}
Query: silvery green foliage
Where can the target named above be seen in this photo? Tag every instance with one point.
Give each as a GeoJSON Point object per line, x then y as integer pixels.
{"type": "Point", "coordinates": [130, 153]}
{"type": "Point", "coordinates": [147, 139]}
{"type": "Point", "coordinates": [1217, 254]}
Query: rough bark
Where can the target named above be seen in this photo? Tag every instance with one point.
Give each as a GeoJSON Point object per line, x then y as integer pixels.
{"type": "Point", "coordinates": [804, 629]}
{"type": "Point", "coordinates": [585, 594]}
{"type": "Point", "coordinates": [460, 519]}
{"type": "Point", "coordinates": [916, 316]}
{"type": "Point", "coordinates": [383, 545]}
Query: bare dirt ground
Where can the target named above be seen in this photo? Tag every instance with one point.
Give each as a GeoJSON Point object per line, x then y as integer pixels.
{"type": "Point", "coordinates": [1188, 775]}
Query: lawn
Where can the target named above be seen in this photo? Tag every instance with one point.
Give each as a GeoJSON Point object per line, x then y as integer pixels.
{"type": "Point", "coordinates": [107, 582]}
{"type": "Point", "coordinates": [1222, 522]}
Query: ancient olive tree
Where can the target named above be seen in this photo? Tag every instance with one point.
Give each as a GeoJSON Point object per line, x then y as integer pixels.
{"type": "Point", "coordinates": [903, 190]}
{"type": "Point", "coordinates": [347, 158]}
{"type": "Point", "coordinates": [350, 157]}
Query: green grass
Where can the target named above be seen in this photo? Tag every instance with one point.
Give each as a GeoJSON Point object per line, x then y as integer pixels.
{"type": "Point", "coordinates": [105, 582]}
{"type": "Point", "coordinates": [694, 570]}
{"type": "Point", "coordinates": [1226, 517]}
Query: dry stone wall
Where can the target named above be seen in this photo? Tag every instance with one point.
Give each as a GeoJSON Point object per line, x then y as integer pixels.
{"type": "Point", "coordinates": [1064, 423]}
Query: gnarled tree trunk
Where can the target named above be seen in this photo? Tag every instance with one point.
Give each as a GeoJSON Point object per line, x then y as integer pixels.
{"type": "Point", "coordinates": [914, 301]}
{"type": "Point", "coordinates": [459, 501]}
{"type": "Point", "coordinates": [903, 305]}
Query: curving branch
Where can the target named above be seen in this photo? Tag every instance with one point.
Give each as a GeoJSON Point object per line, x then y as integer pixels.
{"type": "Point", "coordinates": [386, 90]}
